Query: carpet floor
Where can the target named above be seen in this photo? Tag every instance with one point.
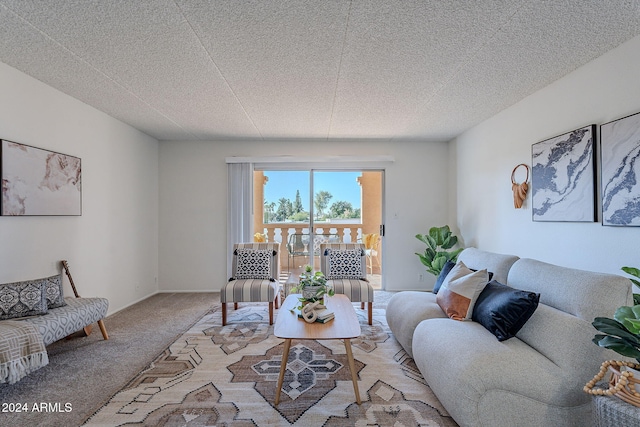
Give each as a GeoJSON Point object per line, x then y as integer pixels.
{"type": "Point", "coordinates": [85, 372]}
{"type": "Point", "coordinates": [171, 366]}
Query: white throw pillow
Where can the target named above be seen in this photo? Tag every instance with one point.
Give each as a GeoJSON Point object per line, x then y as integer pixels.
{"type": "Point", "coordinates": [460, 290]}
{"type": "Point", "coordinates": [345, 264]}
{"type": "Point", "coordinates": [253, 263]}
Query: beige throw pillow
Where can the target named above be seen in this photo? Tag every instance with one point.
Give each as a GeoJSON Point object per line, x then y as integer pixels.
{"type": "Point", "coordinates": [460, 290]}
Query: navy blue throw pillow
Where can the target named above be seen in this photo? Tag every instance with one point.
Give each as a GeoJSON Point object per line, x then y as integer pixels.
{"type": "Point", "coordinates": [503, 310]}
{"type": "Point", "coordinates": [443, 273]}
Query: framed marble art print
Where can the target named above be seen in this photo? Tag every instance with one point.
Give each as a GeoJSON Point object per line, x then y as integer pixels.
{"type": "Point", "coordinates": [563, 177]}
{"type": "Point", "coordinates": [39, 182]}
{"type": "Point", "coordinates": [620, 169]}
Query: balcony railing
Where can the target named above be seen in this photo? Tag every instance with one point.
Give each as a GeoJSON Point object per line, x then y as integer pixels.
{"type": "Point", "coordinates": [280, 232]}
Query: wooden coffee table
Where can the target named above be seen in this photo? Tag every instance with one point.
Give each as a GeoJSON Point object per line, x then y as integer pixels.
{"type": "Point", "coordinates": [345, 326]}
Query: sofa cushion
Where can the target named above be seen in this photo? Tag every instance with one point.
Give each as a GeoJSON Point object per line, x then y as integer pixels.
{"type": "Point", "coordinates": [503, 310]}
{"type": "Point", "coordinates": [446, 268]}
{"type": "Point", "coordinates": [499, 264]}
{"type": "Point", "coordinates": [406, 310]}
{"type": "Point", "coordinates": [465, 366]}
{"type": "Point", "coordinates": [253, 263]}
{"type": "Point", "coordinates": [22, 299]}
{"type": "Point", "coordinates": [460, 290]}
{"type": "Point", "coordinates": [582, 293]}
{"type": "Point", "coordinates": [53, 287]}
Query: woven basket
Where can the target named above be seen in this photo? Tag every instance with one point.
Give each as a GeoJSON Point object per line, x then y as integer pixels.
{"type": "Point", "coordinates": [621, 383]}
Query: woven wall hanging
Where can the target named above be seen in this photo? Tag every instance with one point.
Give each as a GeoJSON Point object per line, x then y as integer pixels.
{"type": "Point", "coordinates": [519, 190]}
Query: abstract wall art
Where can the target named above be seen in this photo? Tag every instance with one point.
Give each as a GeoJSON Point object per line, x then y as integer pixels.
{"type": "Point", "coordinates": [38, 182]}
{"type": "Point", "coordinates": [620, 157]}
{"type": "Point", "coordinates": [563, 177]}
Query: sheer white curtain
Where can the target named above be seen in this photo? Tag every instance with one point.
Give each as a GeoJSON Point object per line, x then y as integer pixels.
{"type": "Point", "coordinates": [240, 206]}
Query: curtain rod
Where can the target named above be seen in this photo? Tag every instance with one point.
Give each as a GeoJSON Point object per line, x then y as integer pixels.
{"type": "Point", "coordinates": [311, 159]}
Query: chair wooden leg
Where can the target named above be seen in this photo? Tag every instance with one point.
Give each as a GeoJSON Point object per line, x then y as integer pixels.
{"type": "Point", "coordinates": [277, 299]}
{"type": "Point", "coordinates": [224, 313]}
{"type": "Point", "coordinates": [271, 313]}
{"type": "Point", "coordinates": [235, 305]}
{"type": "Point", "coordinates": [370, 310]}
{"type": "Point", "coordinates": [103, 329]}
{"type": "Point", "coordinates": [362, 305]}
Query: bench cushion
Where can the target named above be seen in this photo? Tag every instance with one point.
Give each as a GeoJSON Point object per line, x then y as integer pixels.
{"type": "Point", "coordinates": [75, 315]}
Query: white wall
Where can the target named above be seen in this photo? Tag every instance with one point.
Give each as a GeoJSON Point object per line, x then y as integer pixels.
{"type": "Point", "coordinates": [603, 90]}
{"type": "Point", "coordinates": [193, 205]}
{"type": "Point", "coordinates": [112, 248]}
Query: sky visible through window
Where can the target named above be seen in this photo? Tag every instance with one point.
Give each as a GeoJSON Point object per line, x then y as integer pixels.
{"type": "Point", "coordinates": [342, 186]}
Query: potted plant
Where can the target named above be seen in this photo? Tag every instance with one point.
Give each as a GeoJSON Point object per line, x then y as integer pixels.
{"type": "Point", "coordinates": [313, 286]}
{"type": "Point", "coordinates": [635, 273]}
{"type": "Point", "coordinates": [622, 335]}
{"type": "Point", "coordinates": [436, 255]}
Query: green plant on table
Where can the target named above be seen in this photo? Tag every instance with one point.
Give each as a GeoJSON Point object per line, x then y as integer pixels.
{"type": "Point", "coordinates": [439, 240]}
{"type": "Point", "coordinates": [316, 282]}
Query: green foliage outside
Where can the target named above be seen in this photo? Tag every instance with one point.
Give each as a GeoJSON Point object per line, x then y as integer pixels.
{"type": "Point", "coordinates": [297, 204]}
{"type": "Point", "coordinates": [287, 211]}
{"type": "Point", "coordinates": [342, 209]}
{"type": "Point", "coordinates": [321, 201]}
{"type": "Point", "coordinates": [300, 216]}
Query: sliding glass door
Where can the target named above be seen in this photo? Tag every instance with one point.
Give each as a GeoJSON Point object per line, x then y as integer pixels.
{"type": "Point", "coordinates": [304, 208]}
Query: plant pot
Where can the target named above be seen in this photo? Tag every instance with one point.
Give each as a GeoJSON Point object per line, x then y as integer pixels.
{"type": "Point", "coordinates": [309, 293]}
{"type": "Point", "coordinates": [311, 301]}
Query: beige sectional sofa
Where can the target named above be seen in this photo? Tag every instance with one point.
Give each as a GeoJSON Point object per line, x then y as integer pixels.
{"type": "Point", "coordinates": [533, 379]}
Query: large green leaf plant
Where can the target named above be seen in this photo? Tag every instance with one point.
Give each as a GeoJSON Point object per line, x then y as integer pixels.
{"type": "Point", "coordinates": [636, 273]}
{"type": "Point", "coordinates": [622, 333]}
{"type": "Point", "coordinates": [439, 240]}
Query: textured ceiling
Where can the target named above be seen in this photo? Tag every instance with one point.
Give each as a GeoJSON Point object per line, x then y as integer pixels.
{"type": "Point", "coordinates": [307, 69]}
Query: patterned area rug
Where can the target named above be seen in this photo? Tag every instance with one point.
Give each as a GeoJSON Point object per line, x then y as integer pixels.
{"type": "Point", "coordinates": [226, 376]}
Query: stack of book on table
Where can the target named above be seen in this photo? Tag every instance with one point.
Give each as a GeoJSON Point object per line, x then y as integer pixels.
{"type": "Point", "coordinates": [324, 315]}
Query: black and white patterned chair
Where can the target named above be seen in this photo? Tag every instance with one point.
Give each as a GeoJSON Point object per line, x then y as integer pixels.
{"type": "Point", "coordinates": [345, 267]}
{"type": "Point", "coordinates": [255, 277]}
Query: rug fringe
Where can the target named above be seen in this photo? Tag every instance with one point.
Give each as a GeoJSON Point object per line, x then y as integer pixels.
{"type": "Point", "coordinates": [13, 371]}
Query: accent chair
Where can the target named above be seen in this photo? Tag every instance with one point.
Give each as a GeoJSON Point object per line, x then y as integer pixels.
{"type": "Point", "coordinates": [255, 277]}
{"type": "Point", "coordinates": [345, 267]}
{"type": "Point", "coordinates": [371, 243]}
